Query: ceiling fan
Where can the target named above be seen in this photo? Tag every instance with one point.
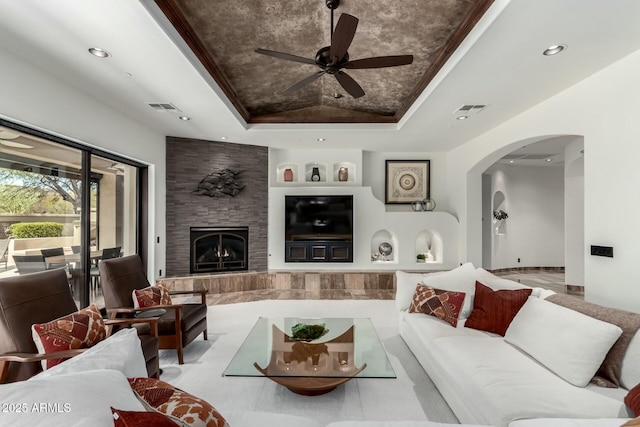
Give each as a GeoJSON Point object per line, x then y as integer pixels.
{"type": "Point", "coordinates": [332, 59]}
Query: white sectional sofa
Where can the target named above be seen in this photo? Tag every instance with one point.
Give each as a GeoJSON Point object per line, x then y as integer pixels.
{"type": "Point", "coordinates": [80, 391]}
{"type": "Point", "coordinates": [486, 379]}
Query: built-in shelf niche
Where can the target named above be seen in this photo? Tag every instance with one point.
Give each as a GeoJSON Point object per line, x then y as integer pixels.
{"type": "Point", "coordinates": [282, 171]}
{"type": "Point", "coordinates": [384, 236]}
{"type": "Point", "coordinates": [350, 169]}
{"type": "Point", "coordinates": [429, 242]}
{"type": "Point", "coordinates": [309, 171]}
{"type": "Point", "coordinates": [499, 202]}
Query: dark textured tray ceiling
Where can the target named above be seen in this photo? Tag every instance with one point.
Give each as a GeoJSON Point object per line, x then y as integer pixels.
{"type": "Point", "coordinates": [224, 34]}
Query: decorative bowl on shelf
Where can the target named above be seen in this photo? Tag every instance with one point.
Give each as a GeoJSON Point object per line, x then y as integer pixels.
{"type": "Point", "coordinates": [385, 248]}
{"type": "Point", "coordinates": [305, 332]}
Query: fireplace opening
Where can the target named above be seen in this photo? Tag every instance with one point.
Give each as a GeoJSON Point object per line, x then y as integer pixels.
{"type": "Point", "coordinates": [217, 249]}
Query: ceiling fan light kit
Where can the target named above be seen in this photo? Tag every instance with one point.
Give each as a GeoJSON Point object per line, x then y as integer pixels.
{"type": "Point", "coordinates": [333, 58]}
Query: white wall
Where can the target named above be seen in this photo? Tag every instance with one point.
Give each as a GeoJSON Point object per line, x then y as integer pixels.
{"type": "Point", "coordinates": [603, 108]}
{"type": "Point", "coordinates": [533, 235]}
{"type": "Point", "coordinates": [373, 220]}
{"type": "Point", "coordinates": [374, 174]}
{"type": "Point", "coordinates": [32, 97]}
{"type": "Point", "coordinates": [575, 248]}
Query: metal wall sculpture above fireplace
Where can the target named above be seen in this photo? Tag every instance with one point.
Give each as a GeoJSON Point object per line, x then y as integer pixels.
{"type": "Point", "coordinates": [218, 249]}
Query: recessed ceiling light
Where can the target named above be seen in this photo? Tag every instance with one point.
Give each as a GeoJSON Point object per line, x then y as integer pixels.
{"type": "Point", "coordinates": [547, 160]}
{"type": "Point", "coordinates": [14, 144]}
{"type": "Point", "coordinates": [512, 161]}
{"type": "Point", "coordinates": [553, 50]}
{"type": "Point", "coordinates": [223, 137]}
{"type": "Point", "coordinates": [321, 139]}
{"type": "Point", "coordinates": [100, 53]}
{"type": "Point", "coordinates": [462, 117]}
{"type": "Point", "coordinates": [185, 118]}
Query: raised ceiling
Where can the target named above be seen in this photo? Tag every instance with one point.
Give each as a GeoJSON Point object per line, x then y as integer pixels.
{"type": "Point", "coordinates": [498, 64]}
{"type": "Point", "coordinates": [223, 35]}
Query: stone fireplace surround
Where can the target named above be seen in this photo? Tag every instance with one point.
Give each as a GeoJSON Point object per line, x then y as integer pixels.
{"type": "Point", "coordinates": [190, 160]}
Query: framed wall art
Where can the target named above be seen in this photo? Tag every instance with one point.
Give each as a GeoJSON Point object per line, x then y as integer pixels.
{"type": "Point", "coordinates": [406, 181]}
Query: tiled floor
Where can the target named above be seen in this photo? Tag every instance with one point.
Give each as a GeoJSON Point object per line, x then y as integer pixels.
{"type": "Point", "coordinates": [553, 280]}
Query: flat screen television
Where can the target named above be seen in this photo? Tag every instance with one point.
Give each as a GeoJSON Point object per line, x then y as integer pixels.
{"type": "Point", "coordinates": [318, 218]}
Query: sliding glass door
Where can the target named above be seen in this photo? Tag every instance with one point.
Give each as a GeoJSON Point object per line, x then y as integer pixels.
{"type": "Point", "coordinates": [64, 205]}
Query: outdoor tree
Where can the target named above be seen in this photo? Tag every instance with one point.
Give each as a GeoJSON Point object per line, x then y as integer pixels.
{"type": "Point", "coordinates": [28, 192]}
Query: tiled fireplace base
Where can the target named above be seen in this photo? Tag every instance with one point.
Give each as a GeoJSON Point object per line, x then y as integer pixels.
{"type": "Point", "coordinates": [288, 285]}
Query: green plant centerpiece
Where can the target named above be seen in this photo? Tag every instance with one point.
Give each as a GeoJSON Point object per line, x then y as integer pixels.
{"type": "Point", "coordinates": [305, 332]}
{"type": "Point", "coordinates": [500, 215]}
{"type": "Point", "coordinates": [421, 257]}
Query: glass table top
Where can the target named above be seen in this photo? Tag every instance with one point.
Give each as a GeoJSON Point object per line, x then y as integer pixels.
{"type": "Point", "coordinates": [350, 348]}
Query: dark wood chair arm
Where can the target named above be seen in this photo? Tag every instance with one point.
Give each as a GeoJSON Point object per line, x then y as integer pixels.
{"type": "Point", "coordinates": [36, 357]}
{"type": "Point", "coordinates": [32, 357]}
{"type": "Point", "coordinates": [111, 312]}
{"type": "Point", "coordinates": [152, 321]}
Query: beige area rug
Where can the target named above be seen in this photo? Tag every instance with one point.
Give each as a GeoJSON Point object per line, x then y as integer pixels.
{"type": "Point", "coordinates": [411, 396]}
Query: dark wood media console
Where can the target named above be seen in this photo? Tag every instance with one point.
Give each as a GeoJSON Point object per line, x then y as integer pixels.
{"type": "Point", "coordinates": [318, 251]}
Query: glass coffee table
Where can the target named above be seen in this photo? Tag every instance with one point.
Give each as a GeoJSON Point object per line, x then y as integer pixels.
{"type": "Point", "coordinates": [350, 348]}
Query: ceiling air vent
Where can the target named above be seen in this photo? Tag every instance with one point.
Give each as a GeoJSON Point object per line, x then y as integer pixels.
{"type": "Point", "coordinates": [470, 109]}
{"type": "Point", "coordinates": [164, 106]}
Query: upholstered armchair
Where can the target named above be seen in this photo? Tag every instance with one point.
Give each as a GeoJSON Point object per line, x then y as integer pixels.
{"type": "Point", "coordinates": [39, 298]}
{"type": "Point", "coordinates": [178, 326]}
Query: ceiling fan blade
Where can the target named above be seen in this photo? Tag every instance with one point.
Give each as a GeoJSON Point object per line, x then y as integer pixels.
{"type": "Point", "coordinates": [342, 36]}
{"type": "Point", "coordinates": [350, 85]}
{"type": "Point", "coordinates": [302, 83]}
{"type": "Point", "coordinates": [286, 56]}
{"type": "Point", "coordinates": [380, 62]}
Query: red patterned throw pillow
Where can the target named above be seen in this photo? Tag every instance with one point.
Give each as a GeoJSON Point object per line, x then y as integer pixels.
{"type": "Point", "coordinates": [140, 419]}
{"type": "Point", "coordinates": [442, 304]}
{"type": "Point", "coordinates": [81, 329]}
{"type": "Point", "coordinates": [153, 295]}
{"type": "Point", "coordinates": [183, 408]}
{"type": "Point", "coordinates": [493, 311]}
{"type": "Point", "coordinates": [632, 400]}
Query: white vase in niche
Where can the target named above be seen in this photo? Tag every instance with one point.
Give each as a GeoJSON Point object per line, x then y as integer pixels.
{"type": "Point", "coordinates": [429, 257]}
{"type": "Point", "coordinates": [343, 174]}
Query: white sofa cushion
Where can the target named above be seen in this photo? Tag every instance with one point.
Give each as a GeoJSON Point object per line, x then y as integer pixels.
{"type": "Point", "coordinates": [568, 343]}
{"type": "Point", "coordinates": [498, 283]}
{"type": "Point", "coordinates": [267, 419]}
{"type": "Point", "coordinates": [504, 384]}
{"type": "Point", "coordinates": [75, 399]}
{"type": "Point", "coordinates": [396, 424]}
{"type": "Point", "coordinates": [121, 351]}
{"type": "Point", "coordinates": [461, 279]}
{"type": "Point", "coordinates": [564, 422]}
{"type": "Point", "coordinates": [406, 285]}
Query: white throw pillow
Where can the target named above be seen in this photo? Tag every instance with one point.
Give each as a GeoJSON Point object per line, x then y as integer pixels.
{"type": "Point", "coordinates": [77, 399]}
{"type": "Point", "coordinates": [122, 352]}
{"type": "Point", "coordinates": [568, 343]}
{"type": "Point", "coordinates": [498, 283]}
{"type": "Point", "coordinates": [461, 279]}
{"type": "Point", "coordinates": [406, 286]}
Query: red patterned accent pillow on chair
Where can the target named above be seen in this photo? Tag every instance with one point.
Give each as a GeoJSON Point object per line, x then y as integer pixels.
{"type": "Point", "coordinates": [176, 404]}
{"type": "Point", "coordinates": [153, 295]}
{"type": "Point", "coordinates": [81, 329]}
{"type": "Point", "coordinates": [493, 311]}
{"type": "Point", "coordinates": [442, 304]}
